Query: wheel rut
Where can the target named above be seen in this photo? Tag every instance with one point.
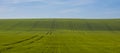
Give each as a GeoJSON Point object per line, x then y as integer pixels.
{"type": "Point", "coordinates": [11, 45]}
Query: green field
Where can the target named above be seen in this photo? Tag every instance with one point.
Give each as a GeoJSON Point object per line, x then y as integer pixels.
{"type": "Point", "coordinates": [60, 36]}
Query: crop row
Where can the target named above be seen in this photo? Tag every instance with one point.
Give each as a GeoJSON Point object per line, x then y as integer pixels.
{"type": "Point", "coordinates": [39, 25]}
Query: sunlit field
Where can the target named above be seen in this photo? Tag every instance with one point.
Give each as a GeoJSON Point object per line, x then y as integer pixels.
{"type": "Point", "coordinates": [60, 36]}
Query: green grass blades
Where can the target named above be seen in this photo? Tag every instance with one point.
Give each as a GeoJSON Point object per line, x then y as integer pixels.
{"type": "Point", "coordinates": [59, 36]}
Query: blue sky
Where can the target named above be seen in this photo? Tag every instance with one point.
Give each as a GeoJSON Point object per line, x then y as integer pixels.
{"type": "Point", "coordinates": [59, 9]}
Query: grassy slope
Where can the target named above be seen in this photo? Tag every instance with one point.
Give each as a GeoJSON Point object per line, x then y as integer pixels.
{"type": "Point", "coordinates": [59, 36]}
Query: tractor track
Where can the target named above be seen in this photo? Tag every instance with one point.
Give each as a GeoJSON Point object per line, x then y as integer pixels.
{"type": "Point", "coordinates": [5, 49]}
{"type": "Point", "coordinates": [35, 37]}
{"type": "Point", "coordinates": [50, 32]}
{"type": "Point", "coordinates": [8, 46]}
{"type": "Point", "coordinates": [20, 41]}
{"type": "Point", "coordinates": [52, 28]}
{"type": "Point", "coordinates": [35, 40]}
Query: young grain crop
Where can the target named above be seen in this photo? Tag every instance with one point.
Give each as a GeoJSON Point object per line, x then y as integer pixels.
{"type": "Point", "coordinates": [60, 36]}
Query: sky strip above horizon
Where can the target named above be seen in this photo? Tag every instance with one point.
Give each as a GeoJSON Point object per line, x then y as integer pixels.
{"type": "Point", "coordinates": [59, 9]}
